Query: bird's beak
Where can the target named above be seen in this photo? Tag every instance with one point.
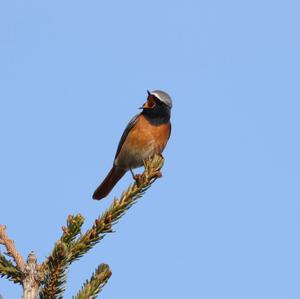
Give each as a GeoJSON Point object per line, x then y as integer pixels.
{"type": "Point", "coordinates": [150, 103]}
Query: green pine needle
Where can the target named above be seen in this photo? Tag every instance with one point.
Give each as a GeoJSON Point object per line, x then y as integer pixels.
{"type": "Point", "coordinates": [55, 273]}
{"type": "Point", "coordinates": [9, 270]}
{"type": "Point", "coordinates": [73, 228]}
{"type": "Point", "coordinates": [94, 286]}
{"type": "Point", "coordinates": [71, 247]}
{"type": "Point", "coordinates": [103, 224]}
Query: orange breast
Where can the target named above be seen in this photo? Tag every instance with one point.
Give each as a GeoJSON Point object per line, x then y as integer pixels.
{"type": "Point", "coordinates": [143, 141]}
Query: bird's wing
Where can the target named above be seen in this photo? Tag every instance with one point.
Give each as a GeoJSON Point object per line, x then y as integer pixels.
{"type": "Point", "coordinates": [130, 125]}
{"type": "Point", "coordinates": [170, 131]}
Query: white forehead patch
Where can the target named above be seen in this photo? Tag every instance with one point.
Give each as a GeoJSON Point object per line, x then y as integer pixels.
{"type": "Point", "coordinates": [162, 96]}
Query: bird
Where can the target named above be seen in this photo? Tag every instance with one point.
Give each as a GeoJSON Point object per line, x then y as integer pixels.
{"type": "Point", "coordinates": [146, 134]}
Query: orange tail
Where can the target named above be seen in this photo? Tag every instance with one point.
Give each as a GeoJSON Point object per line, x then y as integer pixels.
{"type": "Point", "coordinates": [109, 182]}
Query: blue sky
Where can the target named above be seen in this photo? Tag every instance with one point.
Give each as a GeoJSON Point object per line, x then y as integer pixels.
{"type": "Point", "coordinates": [223, 223]}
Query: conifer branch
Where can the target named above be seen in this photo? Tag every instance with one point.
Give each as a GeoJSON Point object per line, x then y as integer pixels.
{"type": "Point", "coordinates": [103, 224]}
{"type": "Point", "coordinates": [32, 277]}
{"type": "Point", "coordinates": [72, 245]}
{"type": "Point", "coordinates": [55, 272]}
{"type": "Point", "coordinates": [11, 249]}
{"type": "Point", "coordinates": [69, 248]}
{"type": "Point", "coordinates": [28, 274]}
{"type": "Point", "coordinates": [9, 270]}
{"type": "Point", "coordinates": [56, 265]}
{"type": "Point", "coordinates": [73, 228]}
{"type": "Point", "coordinates": [93, 287]}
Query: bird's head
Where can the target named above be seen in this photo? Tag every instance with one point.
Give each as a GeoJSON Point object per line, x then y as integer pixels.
{"type": "Point", "coordinates": [159, 103]}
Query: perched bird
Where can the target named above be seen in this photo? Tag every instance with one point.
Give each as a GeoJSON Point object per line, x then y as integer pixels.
{"type": "Point", "coordinates": [146, 134]}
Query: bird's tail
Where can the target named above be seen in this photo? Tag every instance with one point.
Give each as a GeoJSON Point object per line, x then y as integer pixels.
{"type": "Point", "coordinates": [109, 182]}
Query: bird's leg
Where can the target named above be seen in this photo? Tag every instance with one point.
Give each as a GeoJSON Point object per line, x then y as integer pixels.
{"type": "Point", "coordinates": [131, 173]}
{"type": "Point", "coordinates": [135, 176]}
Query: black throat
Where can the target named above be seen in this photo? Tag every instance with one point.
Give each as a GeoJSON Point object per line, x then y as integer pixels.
{"type": "Point", "coordinates": [158, 115]}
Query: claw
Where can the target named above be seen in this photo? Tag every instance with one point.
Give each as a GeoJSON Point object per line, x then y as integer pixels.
{"type": "Point", "coordinates": [135, 176]}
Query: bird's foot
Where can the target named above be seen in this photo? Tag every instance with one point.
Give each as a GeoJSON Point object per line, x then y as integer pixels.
{"type": "Point", "coordinates": [136, 177]}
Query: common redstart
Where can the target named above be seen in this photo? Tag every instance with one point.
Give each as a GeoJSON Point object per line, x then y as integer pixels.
{"type": "Point", "coordinates": [146, 134]}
